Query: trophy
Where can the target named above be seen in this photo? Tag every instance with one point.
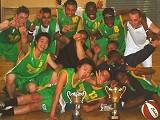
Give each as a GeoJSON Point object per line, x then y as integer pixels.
{"type": "Point", "coordinates": [115, 94]}
{"type": "Point", "coordinates": [77, 98]}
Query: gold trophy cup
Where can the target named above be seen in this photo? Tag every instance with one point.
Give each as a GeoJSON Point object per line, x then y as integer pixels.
{"type": "Point", "coordinates": [115, 94]}
{"type": "Point", "coordinates": [77, 98]}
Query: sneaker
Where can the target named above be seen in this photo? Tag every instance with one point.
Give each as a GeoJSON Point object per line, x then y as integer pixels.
{"type": "Point", "coordinates": [2, 105]}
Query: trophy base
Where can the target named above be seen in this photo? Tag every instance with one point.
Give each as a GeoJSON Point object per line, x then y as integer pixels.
{"type": "Point", "coordinates": [114, 118]}
{"type": "Point", "coordinates": [74, 117]}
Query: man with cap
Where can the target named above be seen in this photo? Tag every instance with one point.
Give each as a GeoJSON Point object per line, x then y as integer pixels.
{"type": "Point", "coordinates": [112, 28]}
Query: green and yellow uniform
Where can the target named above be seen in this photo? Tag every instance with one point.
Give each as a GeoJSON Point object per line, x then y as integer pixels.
{"type": "Point", "coordinates": [146, 84]}
{"type": "Point", "coordinates": [92, 93]}
{"type": "Point", "coordinates": [50, 30]}
{"type": "Point", "coordinates": [28, 68]}
{"type": "Point", "coordinates": [47, 101]}
{"type": "Point", "coordinates": [65, 20]}
{"type": "Point", "coordinates": [91, 25]}
{"type": "Point", "coordinates": [9, 40]}
{"type": "Point", "coordinates": [116, 33]}
{"type": "Point", "coordinates": [48, 92]}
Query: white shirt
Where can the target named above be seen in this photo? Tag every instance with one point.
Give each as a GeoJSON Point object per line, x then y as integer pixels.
{"type": "Point", "coordinates": [136, 38]}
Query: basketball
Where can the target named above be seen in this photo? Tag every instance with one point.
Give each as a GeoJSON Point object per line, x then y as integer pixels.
{"type": "Point", "coordinates": [150, 109]}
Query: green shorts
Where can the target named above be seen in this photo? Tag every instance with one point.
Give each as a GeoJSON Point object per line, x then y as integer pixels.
{"type": "Point", "coordinates": [21, 83]}
{"type": "Point", "coordinates": [48, 92]}
{"type": "Point", "coordinates": [47, 95]}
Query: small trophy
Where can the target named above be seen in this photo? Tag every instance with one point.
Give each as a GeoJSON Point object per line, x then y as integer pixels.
{"type": "Point", "coordinates": [77, 98]}
{"type": "Point", "coordinates": [115, 94]}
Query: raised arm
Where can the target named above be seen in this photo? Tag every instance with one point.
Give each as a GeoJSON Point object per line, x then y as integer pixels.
{"type": "Point", "coordinates": [79, 47]}
{"type": "Point", "coordinates": [24, 43]}
{"type": "Point", "coordinates": [6, 24]}
{"type": "Point", "coordinates": [55, 66]}
{"type": "Point", "coordinates": [61, 82]}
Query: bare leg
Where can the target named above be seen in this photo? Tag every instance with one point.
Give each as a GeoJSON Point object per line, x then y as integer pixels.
{"type": "Point", "coordinates": [10, 84]}
{"type": "Point", "coordinates": [30, 98]}
{"type": "Point", "coordinates": [27, 108]}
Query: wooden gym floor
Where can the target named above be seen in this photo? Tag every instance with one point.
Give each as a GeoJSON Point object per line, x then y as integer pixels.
{"type": "Point", "coordinates": [130, 114]}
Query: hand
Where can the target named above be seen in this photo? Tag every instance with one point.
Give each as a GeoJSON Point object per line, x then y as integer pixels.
{"type": "Point", "coordinates": [23, 30]}
{"type": "Point", "coordinates": [77, 37]}
{"type": "Point", "coordinates": [66, 28]}
{"type": "Point", "coordinates": [96, 48]}
{"type": "Point", "coordinates": [14, 22]}
{"type": "Point", "coordinates": [99, 4]}
{"type": "Point", "coordinates": [113, 83]}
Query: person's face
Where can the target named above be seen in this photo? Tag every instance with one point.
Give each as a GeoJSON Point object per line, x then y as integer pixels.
{"type": "Point", "coordinates": [116, 59]}
{"type": "Point", "coordinates": [70, 10]}
{"type": "Point", "coordinates": [42, 43]}
{"type": "Point", "coordinates": [123, 78]}
{"type": "Point", "coordinates": [111, 47]}
{"type": "Point", "coordinates": [22, 18]}
{"type": "Point", "coordinates": [91, 12]}
{"type": "Point", "coordinates": [109, 21]}
{"type": "Point", "coordinates": [135, 20]}
{"type": "Point", "coordinates": [84, 71]}
{"type": "Point", "coordinates": [46, 17]}
{"type": "Point", "coordinates": [104, 76]}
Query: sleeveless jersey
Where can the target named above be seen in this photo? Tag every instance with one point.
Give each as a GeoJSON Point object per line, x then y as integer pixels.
{"type": "Point", "coordinates": [114, 33]}
{"type": "Point", "coordinates": [69, 85]}
{"type": "Point", "coordinates": [29, 66]}
{"type": "Point", "coordinates": [8, 42]}
{"type": "Point", "coordinates": [92, 93]}
{"type": "Point", "coordinates": [92, 25]}
{"type": "Point", "coordinates": [65, 20]}
{"type": "Point", "coordinates": [52, 26]}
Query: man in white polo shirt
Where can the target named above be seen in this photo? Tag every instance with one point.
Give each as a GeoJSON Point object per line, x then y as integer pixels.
{"type": "Point", "coordinates": [136, 35]}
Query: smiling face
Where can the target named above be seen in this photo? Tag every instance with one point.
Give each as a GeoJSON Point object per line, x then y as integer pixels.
{"type": "Point", "coordinates": [46, 17]}
{"type": "Point", "coordinates": [22, 18]}
{"type": "Point", "coordinates": [42, 43]}
{"type": "Point", "coordinates": [91, 12]}
{"type": "Point", "coordinates": [135, 20]}
{"type": "Point", "coordinates": [122, 78]}
{"type": "Point", "coordinates": [70, 10]}
{"type": "Point", "coordinates": [109, 21]}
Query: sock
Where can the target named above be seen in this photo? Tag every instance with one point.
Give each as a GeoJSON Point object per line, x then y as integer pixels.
{"type": "Point", "coordinates": [11, 102]}
{"type": "Point", "coordinates": [7, 111]}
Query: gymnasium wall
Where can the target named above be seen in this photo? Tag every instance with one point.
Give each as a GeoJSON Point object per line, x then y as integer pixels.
{"type": "Point", "coordinates": [9, 6]}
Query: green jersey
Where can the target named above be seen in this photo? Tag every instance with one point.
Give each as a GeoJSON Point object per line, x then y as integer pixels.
{"type": "Point", "coordinates": [92, 93]}
{"type": "Point", "coordinates": [69, 84]}
{"type": "Point", "coordinates": [9, 39]}
{"type": "Point", "coordinates": [146, 84]}
{"type": "Point", "coordinates": [114, 33]}
{"type": "Point", "coordinates": [65, 20]}
{"type": "Point", "coordinates": [92, 25]}
{"type": "Point", "coordinates": [28, 68]}
{"type": "Point", "coordinates": [50, 30]}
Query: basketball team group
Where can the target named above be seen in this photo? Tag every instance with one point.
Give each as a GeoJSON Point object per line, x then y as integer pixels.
{"type": "Point", "coordinates": [70, 49]}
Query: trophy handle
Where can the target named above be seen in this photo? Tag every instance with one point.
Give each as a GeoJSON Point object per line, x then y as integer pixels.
{"type": "Point", "coordinates": [84, 94]}
{"type": "Point", "coordinates": [68, 95]}
{"type": "Point", "coordinates": [107, 89]}
{"type": "Point", "coordinates": [124, 89]}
